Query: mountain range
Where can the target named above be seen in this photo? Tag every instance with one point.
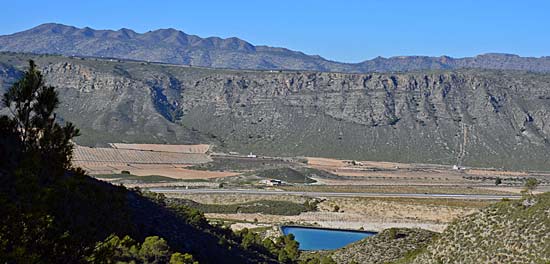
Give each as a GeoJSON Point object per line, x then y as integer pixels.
{"type": "Point", "coordinates": [482, 118]}
{"type": "Point", "coordinates": [176, 47]}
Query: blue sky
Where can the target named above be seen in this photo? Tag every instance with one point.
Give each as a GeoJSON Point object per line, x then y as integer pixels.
{"type": "Point", "coordinates": [349, 31]}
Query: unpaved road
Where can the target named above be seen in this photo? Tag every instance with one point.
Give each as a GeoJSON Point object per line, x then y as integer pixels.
{"type": "Point", "coordinates": [334, 194]}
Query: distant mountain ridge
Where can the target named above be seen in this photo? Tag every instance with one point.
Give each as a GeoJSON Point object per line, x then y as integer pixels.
{"type": "Point", "coordinates": [176, 47]}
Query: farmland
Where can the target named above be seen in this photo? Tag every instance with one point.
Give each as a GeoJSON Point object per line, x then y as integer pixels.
{"type": "Point", "coordinates": [200, 167]}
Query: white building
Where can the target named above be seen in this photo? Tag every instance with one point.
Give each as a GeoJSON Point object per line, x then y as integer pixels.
{"type": "Point", "coordinates": [272, 182]}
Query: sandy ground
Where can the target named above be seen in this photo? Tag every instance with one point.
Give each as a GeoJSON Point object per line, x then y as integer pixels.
{"type": "Point", "coordinates": [325, 162]}
{"type": "Point", "coordinates": [332, 220]}
{"type": "Point", "coordinates": [240, 226]}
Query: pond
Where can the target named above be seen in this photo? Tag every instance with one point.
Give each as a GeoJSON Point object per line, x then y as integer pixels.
{"type": "Point", "coordinates": [311, 238]}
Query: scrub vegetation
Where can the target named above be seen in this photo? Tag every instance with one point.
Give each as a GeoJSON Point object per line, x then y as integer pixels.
{"type": "Point", "coordinates": [270, 207]}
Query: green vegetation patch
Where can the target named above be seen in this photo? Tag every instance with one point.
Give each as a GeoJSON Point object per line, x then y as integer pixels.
{"type": "Point", "coordinates": [221, 163]}
{"type": "Point", "coordinates": [261, 206]}
{"type": "Point", "coordinates": [287, 175]}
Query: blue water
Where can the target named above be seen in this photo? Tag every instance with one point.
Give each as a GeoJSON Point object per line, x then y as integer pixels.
{"type": "Point", "coordinates": [319, 238]}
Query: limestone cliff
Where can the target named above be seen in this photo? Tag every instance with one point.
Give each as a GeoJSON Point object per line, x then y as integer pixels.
{"type": "Point", "coordinates": [469, 117]}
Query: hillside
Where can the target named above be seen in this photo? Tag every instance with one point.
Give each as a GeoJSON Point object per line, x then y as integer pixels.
{"type": "Point", "coordinates": [506, 232]}
{"type": "Point", "coordinates": [389, 245]}
{"type": "Point", "coordinates": [54, 213]}
{"type": "Point", "coordinates": [473, 118]}
{"type": "Point", "coordinates": [176, 47]}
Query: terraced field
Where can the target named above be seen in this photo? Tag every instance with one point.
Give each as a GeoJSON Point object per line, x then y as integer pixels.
{"type": "Point", "coordinates": [145, 159]}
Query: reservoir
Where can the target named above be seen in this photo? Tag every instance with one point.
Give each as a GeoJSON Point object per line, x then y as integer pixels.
{"type": "Point", "coordinates": [311, 238]}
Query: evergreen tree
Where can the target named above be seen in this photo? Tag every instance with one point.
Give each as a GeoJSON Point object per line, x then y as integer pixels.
{"type": "Point", "coordinates": [154, 250]}
{"type": "Point", "coordinates": [178, 258]}
{"type": "Point", "coordinates": [33, 122]}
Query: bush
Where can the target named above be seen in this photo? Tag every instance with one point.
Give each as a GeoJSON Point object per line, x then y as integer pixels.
{"type": "Point", "coordinates": [178, 258]}
{"type": "Point", "coordinates": [126, 250]}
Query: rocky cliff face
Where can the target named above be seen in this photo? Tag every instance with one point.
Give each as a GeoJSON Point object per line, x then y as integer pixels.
{"type": "Point", "coordinates": [176, 47]}
{"type": "Point", "coordinates": [467, 117]}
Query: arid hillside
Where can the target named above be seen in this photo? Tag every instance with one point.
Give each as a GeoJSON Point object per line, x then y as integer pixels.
{"type": "Point", "coordinates": [465, 117]}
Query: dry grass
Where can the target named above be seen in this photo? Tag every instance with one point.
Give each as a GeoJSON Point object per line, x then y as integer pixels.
{"type": "Point", "coordinates": [367, 213]}
{"type": "Point", "coordinates": [443, 211]}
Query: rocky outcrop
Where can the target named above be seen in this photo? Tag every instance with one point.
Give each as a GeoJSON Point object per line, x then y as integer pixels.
{"type": "Point", "coordinates": [467, 117]}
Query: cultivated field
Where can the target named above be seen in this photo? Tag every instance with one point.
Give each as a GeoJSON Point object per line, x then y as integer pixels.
{"type": "Point", "coordinates": [147, 159]}
{"type": "Point", "coordinates": [391, 173]}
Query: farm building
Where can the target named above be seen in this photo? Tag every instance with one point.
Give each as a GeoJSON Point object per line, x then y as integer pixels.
{"type": "Point", "coordinates": [272, 182]}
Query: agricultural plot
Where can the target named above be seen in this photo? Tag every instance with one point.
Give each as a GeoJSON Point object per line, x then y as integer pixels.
{"type": "Point", "coordinates": [147, 159]}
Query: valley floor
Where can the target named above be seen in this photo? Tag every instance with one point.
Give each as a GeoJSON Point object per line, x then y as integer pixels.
{"type": "Point", "coordinates": [349, 194]}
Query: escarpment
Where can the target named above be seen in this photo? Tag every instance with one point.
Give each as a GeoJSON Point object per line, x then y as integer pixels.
{"type": "Point", "coordinates": [466, 117]}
